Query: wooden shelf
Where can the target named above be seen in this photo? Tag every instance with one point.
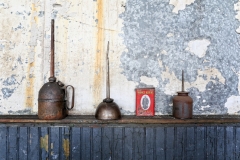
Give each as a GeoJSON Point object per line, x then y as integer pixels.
{"type": "Point", "coordinates": [78, 119]}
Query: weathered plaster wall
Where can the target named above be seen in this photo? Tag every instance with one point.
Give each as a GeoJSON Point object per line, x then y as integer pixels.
{"type": "Point", "coordinates": [150, 43]}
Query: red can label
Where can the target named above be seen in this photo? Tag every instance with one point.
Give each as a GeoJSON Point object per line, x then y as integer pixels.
{"type": "Point", "coordinates": [145, 102]}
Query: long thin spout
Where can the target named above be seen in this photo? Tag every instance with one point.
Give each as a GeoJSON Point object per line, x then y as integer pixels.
{"type": "Point", "coordinates": [182, 81]}
{"type": "Point", "coordinates": [52, 50]}
{"type": "Point", "coordinates": [107, 71]}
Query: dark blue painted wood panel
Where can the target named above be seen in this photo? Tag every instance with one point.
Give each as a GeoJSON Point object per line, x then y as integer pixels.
{"type": "Point", "coordinates": [128, 143]}
{"type": "Point", "coordinates": [23, 142]}
{"type": "Point", "coordinates": [179, 143]}
{"type": "Point", "coordinates": [120, 143]}
{"type": "Point", "coordinates": [230, 143]}
{"type": "Point", "coordinates": [86, 143]}
{"type": "Point", "coordinates": [160, 143]}
{"type": "Point", "coordinates": [75, 146]}
{"type": "Point", "coordinates": [44, 143]}
{"type": "Point", "coordinates": [200, 139]}
{"type": "Point", "coordinates": [97, 141]}
{"type": "Point", "coordinates": [138, 143]}
{"type": "Point", "coordinates": [190, 143]}
{"type": "Point", "coordinates": [150, 143]}
{"type": "Point", "coordinates": [220, 143]}
{"type": "Point", "coordinates": [54, 149]}
{"type": "Point", "coordinates": [3, 143]}
{"type": "Point", "coordinates": [169, 142]}
{"type": "Point", "coordinates": [13, 143]}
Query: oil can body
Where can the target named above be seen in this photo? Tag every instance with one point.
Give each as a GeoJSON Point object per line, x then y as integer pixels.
{"type": "Point", "coordinates": [182, 106]}
{"type": "Point", "coordinates": [51, 102]}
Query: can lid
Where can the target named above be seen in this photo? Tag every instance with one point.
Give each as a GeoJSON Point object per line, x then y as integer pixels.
{"type": "Point", "coordinates": [145, 87]}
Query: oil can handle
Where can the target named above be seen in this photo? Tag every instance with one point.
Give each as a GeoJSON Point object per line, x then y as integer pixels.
{"type": "Point", "coordinates": [72, 96]}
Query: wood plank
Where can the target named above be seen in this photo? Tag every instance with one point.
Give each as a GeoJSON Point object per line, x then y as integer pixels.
{"type": "Point", "coordinates": [65, 143]}
{"type": "Point", "coordinates": [237, 143]}
{"type": "Point", "coordinates": [180, 142]}
{"type": "Point", "coordinates": [13, 143]}
{"type": "Point", "coordinates": [190, 143]}
{"type": "Point", "coordinates": [107, 141]}
{"type": "Point", "coordinates": [33, 143]}
{"type": "Point", "coordinates": [200, 143]}
{"type": "Point", "coordinates": [86, 143]}
{"type": "Point", "coordinates": [169, 142]}
{"type": "Point", "coordinates": [55, 143]}
{"type": "Point", "coordinates": [3, 143]}
{"type": "Point", "coordinates": [220, 143]}
{"type": "Point", "coordinates": [75, 143]}
{"type": "Point", "coordinates": [139, 143]}
{"type": "Point", "coordinates": [160, 143]}
{"type": "Point", "coordinates": [230, 143]}
{"type": "Point", "coordinates": [128, 143]}
{"type": "Point", "coordinates": [44, 143]}
{"type": "Point", "coordinates": [210, 142]}
{"type": "Point", "coordinates": [23, 143]}
{"type": "Point", "coordinates": [96, 143]}
{"type": "Point", "coordinates": [150, 144]}
{"type": "Point", "coordinates": [118, 143]}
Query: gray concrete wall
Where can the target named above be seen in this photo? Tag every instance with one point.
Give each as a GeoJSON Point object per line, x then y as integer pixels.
{"type": "Point", "coordinates": [150, 43]}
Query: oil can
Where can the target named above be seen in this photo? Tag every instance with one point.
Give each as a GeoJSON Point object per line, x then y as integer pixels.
{"type": "Point", "coordinates": [145, 101]}
{"type": "Point", "coordinates": [182, 103]}
{"type": "Point", "coordinates": [52, 97]}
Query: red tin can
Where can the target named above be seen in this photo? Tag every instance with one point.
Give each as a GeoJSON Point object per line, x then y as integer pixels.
{"type": "Point", "coordinates": [145, 101]}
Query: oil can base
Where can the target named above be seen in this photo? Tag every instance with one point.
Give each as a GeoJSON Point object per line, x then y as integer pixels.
{"type": "Point", "coordinates": [108, 111]}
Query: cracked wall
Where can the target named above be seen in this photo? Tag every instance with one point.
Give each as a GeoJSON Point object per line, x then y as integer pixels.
{"type": "Point", "coordinates": [150, 43]}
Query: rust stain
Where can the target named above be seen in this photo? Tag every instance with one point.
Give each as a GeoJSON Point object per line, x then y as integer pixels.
{"type": "Point", "coordinates": [44, 142]}
{"type": "Point", "coordinates": [34, 9]}
{"type": "Point", "coordinates": [66, 148]}
{"type": "Point", "coordinates": [98, 76]}
{"type": "Point", "coordinates": [29, 94]}
{"type": "Point", "coordinates": [30, 79]}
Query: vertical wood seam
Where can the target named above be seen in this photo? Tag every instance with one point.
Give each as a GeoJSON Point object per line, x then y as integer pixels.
{"type": "Point", "coordinates": [17, 143]}
{"type": "Point", "coordinates": [165, 135]}
{"type": "Point", "coordinates": [60, 143]}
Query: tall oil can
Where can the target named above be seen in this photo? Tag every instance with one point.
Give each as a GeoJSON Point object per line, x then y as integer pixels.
{"type": "Point", "coordinates": [52, 103]}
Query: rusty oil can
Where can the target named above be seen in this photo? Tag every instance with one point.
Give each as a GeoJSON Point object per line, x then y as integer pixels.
{"type": "Point", "coordinates": [52, 103]}
{"type": "Point", "coordinates": [145, 101]}
{"type": "Point", "coordinates": [108, 109]}
{"type": "Point", "coordinates": [182, 104]}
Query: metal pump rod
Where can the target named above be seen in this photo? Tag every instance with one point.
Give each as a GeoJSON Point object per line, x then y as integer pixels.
{"type": "Point", "coordinates": [52, 50]}
{"type": "Point", "coordinates": [182, 81]}
{"type": "Point", "coordinates": [107, 76]}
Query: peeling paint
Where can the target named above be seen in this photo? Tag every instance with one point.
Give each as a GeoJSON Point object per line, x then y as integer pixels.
{"type": "Point", "coordinates": [66, 148]}
{"type": "Point", "coordinates": [233, 105]}
{"type": "Point", "coordinates": [204, 77]}
{"type": "Point", "coordinates": [180, 4]}
{"type": "Point", "coordinates": [44, 142]}
{"type": "Point", "coordinates": [149, 81]}
{"type": "Point", "coordinates": [7, 92]}
{"type": "Point", "coordinates": [198, 47]}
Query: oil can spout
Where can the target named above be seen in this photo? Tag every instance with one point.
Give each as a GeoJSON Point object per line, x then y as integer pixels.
{"type": "Point", "coordinates": [52, 78]}
{"type": "Point", "coordinates": [107, 76]}
{"type": "Point", "coordinates": [182, 81]}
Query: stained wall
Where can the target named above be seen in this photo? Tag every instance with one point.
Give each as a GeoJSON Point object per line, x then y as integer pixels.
{"type": "Point", "coordinates": [150, 43]}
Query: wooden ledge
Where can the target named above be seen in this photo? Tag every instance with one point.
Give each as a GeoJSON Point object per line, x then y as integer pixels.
{"type": "Point", "coordinates": [78, 119]}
